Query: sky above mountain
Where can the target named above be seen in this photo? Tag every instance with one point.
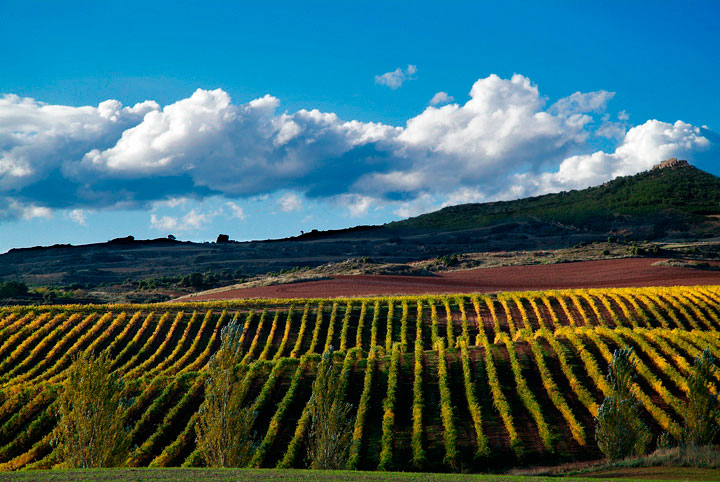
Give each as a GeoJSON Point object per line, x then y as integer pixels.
{"type": "Point", "coordinates": [263, 119]}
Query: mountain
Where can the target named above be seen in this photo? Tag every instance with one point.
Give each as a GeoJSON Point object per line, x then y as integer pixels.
{"type": "Point", "coordinates": [671, 195]}
{"type": "Point", "coordinates": [673, 201]}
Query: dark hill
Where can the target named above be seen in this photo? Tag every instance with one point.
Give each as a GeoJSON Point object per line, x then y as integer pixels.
{"type": "Point", "coordinates": [673, 192]}
{"type": "Point", "coordinates": [677, 202]}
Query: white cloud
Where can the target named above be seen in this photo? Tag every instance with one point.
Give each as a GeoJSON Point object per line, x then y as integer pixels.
{"type": "Point", "coordinates": [639, 150]}
{"type": "Point", "coordinates": [581, 103]}
{"type": "Point", "coordinates": [79, 216]}
{"type": "Point", "coordinates": [164, 223]}
{"type": "Point", "coordinates": [610, 129]}
{"type": "Point", "coordinates": [501, 129]}
{"type": "Point", "coordinates": [503, 142]}
{"type": "Point", "coordinates": [173, 202]}
{"type": "Point", "coordinates": [290, 202]}
{"type": "Point", "coordinates": [441, 98]}
{"type": "Point", "coordinates": [235, 210]}
{"type": "Point", "coordinates": [36, 139]}
{"type": "Point", "coordinates": [356, 204]}
{"type": "Point", "coordinates": [195, 220]}
{"type": "Point", "coordinates": [421, 204]}
{"type": "Point", "coordinates": [397, 77]}
{"type": "Point", "coordinates": [191, 221]}
{"type": "Point", "coordinates": [32, 212]}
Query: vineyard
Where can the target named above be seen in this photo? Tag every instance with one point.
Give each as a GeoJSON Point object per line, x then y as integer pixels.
{"type": "Point", "coordinates": [437, 383]}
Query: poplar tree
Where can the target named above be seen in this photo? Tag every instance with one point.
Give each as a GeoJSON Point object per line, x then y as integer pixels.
{"type": "Point", "coordinates": [331, 426]}
{"type": "Point", "coordinates": [703, 408]}
{"type": "Point", "coordinates": [224, 427]}
{"type": "Point", "coordinates": [90, 430]}
{"type": "Point", "coordinates": [619, 430]}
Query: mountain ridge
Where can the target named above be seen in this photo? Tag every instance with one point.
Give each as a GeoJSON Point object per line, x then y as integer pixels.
{"type": "Point", "coordinates": [669, 185]}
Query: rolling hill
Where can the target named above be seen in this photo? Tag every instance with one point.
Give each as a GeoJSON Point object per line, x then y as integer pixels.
{"type": "Point", "coordinates": [672, 192]}
{"type": "Point", "coordinates": [675, 202]}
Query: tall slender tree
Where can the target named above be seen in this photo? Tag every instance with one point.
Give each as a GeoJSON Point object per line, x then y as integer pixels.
{"type": "Point", "coordinates": [224, 426]}
{"type": "Point", "coordinates": [331, 426]}
{"type": "Point", "coordinates": [619, 430]}
{"type": "Point", "coordinates": [703, 408]}
{"type": "Point", "coordinates": [90, 430]}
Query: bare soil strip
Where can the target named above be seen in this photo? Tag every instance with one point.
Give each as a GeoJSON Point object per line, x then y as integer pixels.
{"type": "Point", "coordinates": [626, 272]}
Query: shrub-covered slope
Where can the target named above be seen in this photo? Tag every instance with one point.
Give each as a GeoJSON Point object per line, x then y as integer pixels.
{"type": "Point", "coordinates": [682, 194]}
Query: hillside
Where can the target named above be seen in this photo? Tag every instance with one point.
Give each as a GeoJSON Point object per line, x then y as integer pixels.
{"type": "Point", "coordinates": [520, 374]}
{"type": "Point", "coordinates": [670, 193]}
{"type": "Point", "coordinates": [675, 203]}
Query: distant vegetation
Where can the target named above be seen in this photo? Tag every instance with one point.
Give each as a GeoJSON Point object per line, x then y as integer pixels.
{"type": "Point", "coordinates": [13, 289]}
{"type": "Point", "coordinates": [668, 197]}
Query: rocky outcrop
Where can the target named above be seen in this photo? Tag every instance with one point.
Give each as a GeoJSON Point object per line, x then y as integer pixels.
{"type": "Point", "coordinates": [671, 163]}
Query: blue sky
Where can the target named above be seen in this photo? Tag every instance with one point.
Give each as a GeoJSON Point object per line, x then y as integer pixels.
{"type": "Point", "coordinates": [336, 143]}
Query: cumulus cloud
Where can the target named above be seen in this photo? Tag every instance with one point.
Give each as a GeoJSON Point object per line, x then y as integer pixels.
{"type": "Point", "coordinates": [397, 77]}
{"type": "Point", "coordinates": [441, 98]}
{"type": "Point", "coordinates": [163, 222]}
{"type": "Point", "coordinates": [290, 202]}
{"type": "Point", "coordinates": [78, 216]}
{"type": "Point", "coordinates": [191, 221]}
{"type": "Point", "coordinates": [581, 103]}
{"type": "Point", "coordinates": [356, 204]}
{"type": "Point", "coordinates": [32, 212]}
{"type": "Point", "coordinates": [504, 142]}
{"type": "Point", "coordinates": [639, 150]}
{"type": "Point", "coordinates": [236, 211]}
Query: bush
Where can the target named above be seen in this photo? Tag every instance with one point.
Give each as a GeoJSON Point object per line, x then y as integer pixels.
{"type": "Point", "coordinates": [619, 431]}
{"type": "Point", "coordinates": [13, 289]}
{"type": "Point", "coordinates": [192, 280]}
{"type": "Point", "coordinates": [449, 259]}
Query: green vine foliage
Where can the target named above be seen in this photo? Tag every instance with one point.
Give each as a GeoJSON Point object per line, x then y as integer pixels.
{"type": "Point", "coordinates": [90, 430]}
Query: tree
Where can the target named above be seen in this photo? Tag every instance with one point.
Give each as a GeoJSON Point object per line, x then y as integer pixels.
{"type": "Point", "coordinates": [224, 427]}
{"type": "Point", "coordinates": [330, 423]}
{"type": "Point", "coordinates": [13, 289]}
{"type": "Point", "coordinates": [90, 430]}
{"type": "Point", "coordinates": [703, 408]}
{"type": "Point", "coordinates": [619, 431]}
{"type": "Point", "coordinates": [193, 280]}
{"type": "Point", "coordinates": [222, 238]}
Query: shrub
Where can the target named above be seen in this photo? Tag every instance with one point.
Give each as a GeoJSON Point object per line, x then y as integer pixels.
{"type": "Point", "coordinates": [13, 289]}
{"type": "Point", "coordinates": [449, 259]}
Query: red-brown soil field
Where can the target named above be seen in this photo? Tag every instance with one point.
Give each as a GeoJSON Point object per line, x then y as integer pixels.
{"type": "Point", "coordinates": [586, 274]}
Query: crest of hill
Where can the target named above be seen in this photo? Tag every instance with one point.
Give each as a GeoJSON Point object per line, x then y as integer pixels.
{"type": "Point", "coordinates": [672, 191]}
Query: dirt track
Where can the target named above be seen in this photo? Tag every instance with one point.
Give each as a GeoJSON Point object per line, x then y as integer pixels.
{"type": "Point", "coordinates": [587, 274]}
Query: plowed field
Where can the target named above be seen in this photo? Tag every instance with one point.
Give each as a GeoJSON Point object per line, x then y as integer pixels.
{"type": "Point", "coordinates": [629, 272]}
